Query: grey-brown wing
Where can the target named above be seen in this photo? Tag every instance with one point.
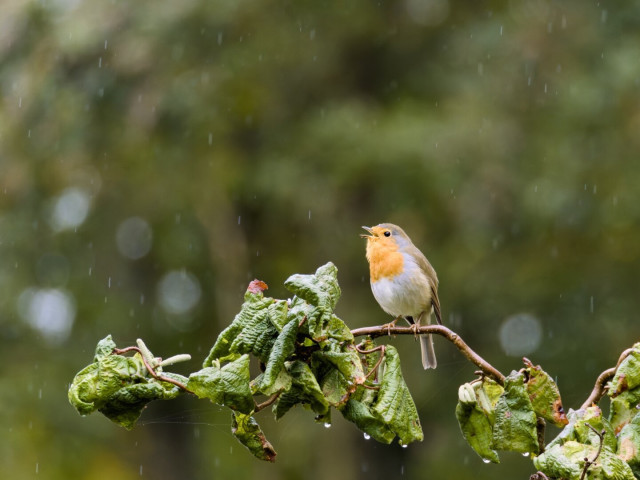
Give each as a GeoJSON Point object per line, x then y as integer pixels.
{"type": "Point", "coordinates": [435, 302]}
{"type": "Point", "coordinates": [428, 269]}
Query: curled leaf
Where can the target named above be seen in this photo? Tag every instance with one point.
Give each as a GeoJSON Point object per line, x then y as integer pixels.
{"type": "Point", "coordinates": [544, 395]}
{"type": "Point", "coordinates": [248, 432]}
{"type": "Point", "coordinates": [515, 421]}
{"type": "Point", "coordinates": [627, 376]}
{"type": "Point", "coordinates": [226, 385]}
{"type": "Point", "coordinates": [117, 386]}
{"type": "Point", "coordinates": [475, 423]}
{"type": "Point", "coordinates": [394, 404]}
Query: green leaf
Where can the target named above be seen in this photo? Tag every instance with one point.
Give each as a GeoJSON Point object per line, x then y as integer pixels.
{"type": "Point", "coordinates": [584, 434]}
{"type": "Point", "coordinates": [227, 385]}
{"type": "Point", "coordinates": [249, 326]}
{"type": "Point", "coordinates": [278, 314]}
{"type": "Point", "coordinates": [475, 413]}
{"type": "Point", "coordinates": [283, 347]}
{"type": "Point", "coordinates": [104, 348]}
{"type": "Point", "coordinates": [360, 413]}
{"type": "Point", "coordinates": [515, 421]}
{"type": "Point", "coordinates": [304, 389]}
{"type": "Point", "coordinates": [564, 456]}
{"type": "Point", "coordinates": [629, 444]}
{"type": "Point", "coordinates": [567, 461]}
{"type": "Point", "coordinates": [343, 357]}
{"type": "Point", "coordinates": [394, 404]}
{"type": "Point", "coordinates": [248, 432]}
{"type": "Point", "coordinates": [621, 411]}
{"type": "Point", "coordinates": [126, 404]}
{"type": "Point", "coordinates": [336, 388]}
{"type": "Point", "coordinates": [117, 386]}
{"type": "Point", "coordinates": [627, 375]}
{"type": "Point", "coordinates": [336, 329]}
{"type": "Point", "coordinates": [564, 461]}
{"type": "Point", "coordinates": [320, 290]}
{"type": "Point", "coordinates": [544, 395]}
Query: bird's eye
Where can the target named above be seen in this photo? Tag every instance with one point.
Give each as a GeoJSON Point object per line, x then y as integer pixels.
{"type": "Point", "coordinates": [387, 233]}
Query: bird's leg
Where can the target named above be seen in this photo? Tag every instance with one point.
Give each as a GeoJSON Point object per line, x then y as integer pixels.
{"type": "Point", "coordinates": [391, 324]}
{"type": "Point", "coordinates": [414, 327]}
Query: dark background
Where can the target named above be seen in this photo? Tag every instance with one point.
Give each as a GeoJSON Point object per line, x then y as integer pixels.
{"type": "Point", "coordinates": [253, 139]}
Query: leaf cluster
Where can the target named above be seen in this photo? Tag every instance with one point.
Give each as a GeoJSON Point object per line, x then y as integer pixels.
{"type": "Point", "coordinates": [303, 355]}
{"type": "Point", "coordinates": [119, 387]}
{"type": "Point", "coordinates": [493, 417]}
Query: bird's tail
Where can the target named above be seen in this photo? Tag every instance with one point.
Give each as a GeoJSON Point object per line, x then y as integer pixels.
{"type": "Point", "coordinates": [428, 353]}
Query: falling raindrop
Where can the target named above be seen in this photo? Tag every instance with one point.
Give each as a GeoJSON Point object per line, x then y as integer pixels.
{"type": "Point", "coordinates": [239, 219]}
{"type": "Point", "coordinates": [140, 469]}
{"type": "Point", "coordinates": [210, 138]}
{"type": "Point", "coordinates": [100, 62]}
{"type": "Point", "coordinates": [591, 304]}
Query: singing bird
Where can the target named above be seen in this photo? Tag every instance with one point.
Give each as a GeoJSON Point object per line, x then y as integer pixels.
{"type": "Point", "coordinates": [403, 281]}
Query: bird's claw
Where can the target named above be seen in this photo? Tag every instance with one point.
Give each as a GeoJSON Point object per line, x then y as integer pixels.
{"type": "Point", "coordinates": [390, 325]}
{"type": "Point", "coordinates": [415, 327]}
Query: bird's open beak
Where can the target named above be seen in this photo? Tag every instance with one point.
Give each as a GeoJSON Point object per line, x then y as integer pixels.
{"type": "Point", "coordinates": [368, 229]}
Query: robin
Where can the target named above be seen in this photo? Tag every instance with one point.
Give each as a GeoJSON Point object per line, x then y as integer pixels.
{"type": "Point", "coordinates": [403, 281]}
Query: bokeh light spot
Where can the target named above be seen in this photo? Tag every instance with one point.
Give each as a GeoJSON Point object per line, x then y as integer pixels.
{"type": "Point", "coordinates": [520, 334]}
{"type": "Point", "coordinates": [134, 238]}
{"type": "Point", "coordinates": [70, 209]}
{"type": "Point", "coordinates": [178, 292]}
{"type": "Point", "coordinates": [50, 311]}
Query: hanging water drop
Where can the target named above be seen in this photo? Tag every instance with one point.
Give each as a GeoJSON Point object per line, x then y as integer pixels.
{"type": "Point", "coordinates": [327, 425]}
{"type": "Point", "coordinates": [367, 436]}
{"type": "Point", "coordinates": [525, 454]}
{"type": "Point", "coordinates": [486, 460]}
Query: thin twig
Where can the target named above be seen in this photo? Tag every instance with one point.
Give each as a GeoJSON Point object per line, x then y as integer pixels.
{"type": "Point", "coordinates": [600, 388]}
{"type": "Point", "coordinates": [538, 476]}
{"type": "Point", "coordinates": [152, 372]}
{"type": "Point", "coordinates": [267, 402]}
{"type": "Point", "coordinates": [450, 335]}
{"type": "Point", "coordinates": [375, 367]}
{"type": "Point", "coordinates": [587, 462]}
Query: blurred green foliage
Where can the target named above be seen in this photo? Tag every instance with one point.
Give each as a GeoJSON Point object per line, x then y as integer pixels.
{"type": "Point", "coordinates": [254, 138]}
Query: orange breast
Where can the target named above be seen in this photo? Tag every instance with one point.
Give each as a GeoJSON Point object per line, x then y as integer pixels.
{"type": "Point", "coordinates": [384, 259]}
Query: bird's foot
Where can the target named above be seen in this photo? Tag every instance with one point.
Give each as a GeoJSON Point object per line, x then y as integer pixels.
{"type": "Point", "coordinates": [391, 325]}
{"type": "Point", "coordinates": [414, 327]}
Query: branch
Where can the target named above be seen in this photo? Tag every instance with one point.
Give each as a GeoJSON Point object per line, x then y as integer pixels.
{"type": "Point", "coordinates": [450, 335]}
{"type": "Point", "coordinates": [600, 387]}
{"type": "Point", "coordinates": [587, 462]}
{"type": "Point", "coordinates": [150, 369]}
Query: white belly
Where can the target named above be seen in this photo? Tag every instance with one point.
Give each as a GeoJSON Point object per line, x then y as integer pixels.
{"type": "Point", "coordinates": [403, 298]}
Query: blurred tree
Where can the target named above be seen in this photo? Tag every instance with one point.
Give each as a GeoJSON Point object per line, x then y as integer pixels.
{"type": "Point", "coordinates": [254, 138]}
